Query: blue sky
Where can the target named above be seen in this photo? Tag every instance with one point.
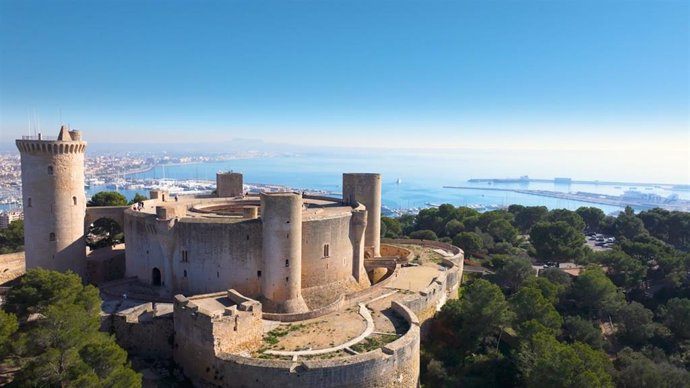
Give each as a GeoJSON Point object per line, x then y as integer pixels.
{"type": "Point", "coordinates": [451, 74]}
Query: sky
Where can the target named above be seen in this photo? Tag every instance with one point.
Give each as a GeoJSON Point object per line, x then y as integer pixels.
{"type": "Point", "coordinates": [609, 77]}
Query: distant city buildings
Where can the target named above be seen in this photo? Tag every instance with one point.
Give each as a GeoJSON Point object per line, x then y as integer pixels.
{"type": "Point", "coordinates": [6, 218]}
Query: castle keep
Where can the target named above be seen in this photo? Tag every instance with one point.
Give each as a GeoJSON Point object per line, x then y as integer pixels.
{"type": "Point", "coordinates": [54, 201]}
{"type": "Point", "coordinates": [280, 288]}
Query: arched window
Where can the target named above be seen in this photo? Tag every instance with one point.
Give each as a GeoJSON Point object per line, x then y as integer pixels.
{"type": "Point", "coordinates": [50, 170]}
{"type": "Point", "coordinates": [74, 201]}
{"type": "Point", "coordinates": [28, 203]}
{"type": "Point", "coordinates": [52, 237]}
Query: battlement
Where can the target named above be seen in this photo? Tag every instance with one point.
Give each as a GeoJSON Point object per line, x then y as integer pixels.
{"type": "Point", "coordinates": [54, 147]}
{"type": "Point", "coordinates": [211, 324]}
{"type": "Point", "coordinates": [67, 142]}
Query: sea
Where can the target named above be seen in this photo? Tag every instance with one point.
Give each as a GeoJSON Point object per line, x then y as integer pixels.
{"type": "Point", "coordinates": [408, 181]}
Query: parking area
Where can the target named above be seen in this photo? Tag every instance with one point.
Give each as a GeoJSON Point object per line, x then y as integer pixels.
{"type": "Point", "coordinates": [600, 242]}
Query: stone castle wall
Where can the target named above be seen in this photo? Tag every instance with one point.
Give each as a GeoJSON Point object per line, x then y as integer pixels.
{"type": "Point", "coordinates": [394, 365]}
{"type": "Point", "coordinates": [143, 331]}
{"type": "Point", "coordinates": [219, 253]}
{"type": "Point", "coordinates": [201, 333]}
{"type": "Point", "coordinates": [445, 286]}
{"type": "Point", "coordinates": [317, 269]}
{"type": "Point", "coordinates": [12, 265]}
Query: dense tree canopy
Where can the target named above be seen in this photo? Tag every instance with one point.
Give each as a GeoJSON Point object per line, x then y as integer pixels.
{"type": "Point", "coordinates": [628, 225]}
{"type": "Point", "coordinates": [107, 198]}
{"type": "Point", "coordinates": [545, 362]}
{"type": "Point", "coordinates": [529, 304]}
{"type": "Point", "coordinates": [40, 288]}
{"type": "Point", "coordinates": [595, 292]}
{"type": "Point", "coordinates": [569, 217]}
{"type": "Point", "coordinates": [634, 295]}
{"type": "Point", "coordinates": [624, 270]}
{"type": "Point", "coordinates": [424, 234]}
{"type": "Point", "coordinates": [676, 315]}
{"type": "Point", "coordinates": [583, 330]}
{"type": "Point", "coordinates": [390, 227]}
{"type": "Point", "coordinates": [527, 217]}
{"type": "Point", "coordinates": [514, 272]}
{"type": "Point", "coordinates": [62, 342]}
{"type": "Point", "coordinates": [12, 238]}
{"type": "Point", "coordinates": [482, 311]}
{"type": "Point", "coordinates": [593, 218]}
{"type": "Point", "coordinates": [636, 370]}
{"type": "Point", "coordinates": [469, 242]}
{"type": "Point", "coordinates": [8, 326]}
{"type": "Point", "coordinates": [557, 241]}
{"type": "Point", "coordinates": [137, 198]}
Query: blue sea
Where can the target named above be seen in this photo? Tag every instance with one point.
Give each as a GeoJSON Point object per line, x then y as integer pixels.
{"type": "Point", "coordinates": [421, 178]}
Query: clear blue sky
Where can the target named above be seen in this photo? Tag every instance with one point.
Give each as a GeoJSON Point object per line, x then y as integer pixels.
{"type": "Point", "coordinates": [531, 74]}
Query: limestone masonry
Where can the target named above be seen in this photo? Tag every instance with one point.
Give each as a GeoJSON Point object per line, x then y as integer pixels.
{"type": "Point", "coordinates": [276, 289]}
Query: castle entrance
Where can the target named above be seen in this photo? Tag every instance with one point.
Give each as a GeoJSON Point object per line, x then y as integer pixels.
{"type": "Point", "coordinates": [156, 277]}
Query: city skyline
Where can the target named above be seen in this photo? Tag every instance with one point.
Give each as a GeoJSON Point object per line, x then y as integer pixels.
{"type": "Point", "coordinates": [609, 78]}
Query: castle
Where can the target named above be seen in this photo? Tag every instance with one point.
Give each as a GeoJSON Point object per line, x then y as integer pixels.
{"type": "Point", "coordinates": [234, 267]}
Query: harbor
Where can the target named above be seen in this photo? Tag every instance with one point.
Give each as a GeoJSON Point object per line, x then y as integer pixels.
{"type": "Point", "coordinates": [635, 199]}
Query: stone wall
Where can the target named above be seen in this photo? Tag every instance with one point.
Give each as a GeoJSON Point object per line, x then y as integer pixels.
{"type": "Point", "coordinates": [12, 265]}
{"type": "Point", "coordinates": [296, 317]}
{"type": "Point", "coordinates": [201, 333]}
{"type": "Point", "coordinates": [105, 264]}
{"type": "Point", "coordinates": [394, 365]}
{"type": "Point", "coordinates": [229, 184]}
{"type": "Point", "coordinates": [317, 269]}
{"type": "Point", "coordinates": [143, 330]}
{"type": "Point", "coordinates": [445, 286]}
{"type": "Point", "coordinates": [201, 255]}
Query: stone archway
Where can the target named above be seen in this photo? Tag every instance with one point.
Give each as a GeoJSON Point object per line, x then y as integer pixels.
{"type": "Point", "coordinates": [104, 232]}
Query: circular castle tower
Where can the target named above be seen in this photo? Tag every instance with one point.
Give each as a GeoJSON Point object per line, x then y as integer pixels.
{"type": "Point", "coordinates": [281, 284]}
{"type": "Point", "coordinates": [54, 201]}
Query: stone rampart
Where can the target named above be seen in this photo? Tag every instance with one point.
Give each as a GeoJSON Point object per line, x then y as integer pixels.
{"type": "Point", "coordinates": [105, 264]}
{"type": "Point", "coordinates": [394, 365]}
{"type": "Point", "coordinates": [207, 325]}
{"type": "Point", "coordinates": [12, 265]}
{"type": "Point", "coordinates": [425, 243]}
{"type": "Point", "coordinates": [295, 317]}
{"type": "Point", "coordinates": [143, 330]}
{"type": "Point", "coordinates": [445, 286]}
{"type": "Point", "coordinates": [383, 283]}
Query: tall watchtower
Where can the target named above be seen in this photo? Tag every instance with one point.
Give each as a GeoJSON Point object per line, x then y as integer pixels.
{"type": "Point", "coordinates": [366, 189]}
{"type": "Point", "coordinates": [54, 201]}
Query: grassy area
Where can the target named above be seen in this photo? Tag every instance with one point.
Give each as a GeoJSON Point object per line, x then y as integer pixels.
{"type": "Point", "coordinates": [273, 336]}
{"type": "Point", "coordinates": [423, 255]}
{"type": "Point", "coordinates": [373, 342]}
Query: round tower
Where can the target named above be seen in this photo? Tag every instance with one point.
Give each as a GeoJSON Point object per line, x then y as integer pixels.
{"type": "Point", "coordinates": [54, 201]}
{"type": "Point", "coordinates": [281, 281]}
{"type": "Point", "coordinates": [366, 189]}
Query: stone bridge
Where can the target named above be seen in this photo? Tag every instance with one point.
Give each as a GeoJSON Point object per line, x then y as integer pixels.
{"type": "Point", "coordinates": [116, 213]}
